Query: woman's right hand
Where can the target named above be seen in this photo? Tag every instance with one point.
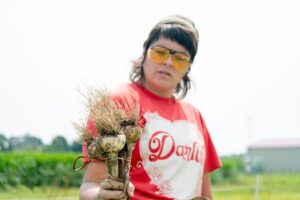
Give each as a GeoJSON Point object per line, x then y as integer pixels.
{"type": "Point", "coordinates": [111, 189]}
{"type": "Point", "coordinates": [90, 189]}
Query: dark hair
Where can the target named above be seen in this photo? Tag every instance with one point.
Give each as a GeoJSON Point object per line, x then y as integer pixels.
{"type": "Point", "coordinates": [176, 28]}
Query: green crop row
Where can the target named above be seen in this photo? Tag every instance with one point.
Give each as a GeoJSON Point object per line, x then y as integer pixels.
{"type": "Point", "coordinates": [38, 169]}
{"type": "Point", "coordinates": [232, 171]}
{"type": "Point", "coordinates": [55, 169]}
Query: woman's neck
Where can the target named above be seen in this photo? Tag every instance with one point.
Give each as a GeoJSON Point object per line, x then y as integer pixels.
{"type": "Point", "coordinates": [157, 91]}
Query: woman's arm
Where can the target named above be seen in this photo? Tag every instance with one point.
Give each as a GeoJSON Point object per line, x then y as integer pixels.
{"type": "Point", "coordinates": [94, 174]}
{"type": "Point", "coordinates": [206, 189]}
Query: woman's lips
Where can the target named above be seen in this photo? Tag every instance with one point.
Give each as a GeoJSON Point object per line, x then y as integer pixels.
{"type": "Point", "coordinates": [164, 73]}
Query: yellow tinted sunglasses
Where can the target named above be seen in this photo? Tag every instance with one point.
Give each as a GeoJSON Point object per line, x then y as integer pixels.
{"type": "Point", "coordinates": [158, 54]}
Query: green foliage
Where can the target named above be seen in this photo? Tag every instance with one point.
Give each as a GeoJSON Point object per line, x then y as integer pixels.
{"type": "Point", "coordinates": [231, 182]}
{"type": "Point", "coordinates": [53, 176]}
{"type": "Point", "coordinates": [59, 144]}
{"type": "Point", "coordinates": [4, 143]}
{"type": "Point", "coordinates": [76, 147]}
{"type": "Point", "coordinates": [270, 187]}
{"type": "Point", "coordinates": [32, 143]}
{"type": "Point", "coordinates": [232, 170]}
{"type": "Point", "coordinates": [38, 169]}
{"type": "Point", "coordinates": [25, 143]}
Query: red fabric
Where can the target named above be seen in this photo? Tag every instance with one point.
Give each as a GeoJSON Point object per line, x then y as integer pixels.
{"type": "Point", "coordinates": [92, 129]}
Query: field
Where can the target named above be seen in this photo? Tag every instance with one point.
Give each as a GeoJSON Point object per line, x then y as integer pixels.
{"type": "Point", "coordinates": [39, 193]}
{"type": "Point", "coordinates": [270, 187]}
{"type": "Point", "coordinates": [262, 187]}
{"type": "Point", "coordinates": [40, 176]}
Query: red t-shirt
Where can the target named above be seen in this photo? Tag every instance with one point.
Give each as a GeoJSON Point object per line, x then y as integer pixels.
{"type": "Point", "coordinates": [174, 150]}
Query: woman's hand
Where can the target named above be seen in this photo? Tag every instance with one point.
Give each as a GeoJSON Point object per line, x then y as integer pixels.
{"type": "Point", "coordinates": [113, 189]}
{"type": "Point", "coordinates": [90, 189]}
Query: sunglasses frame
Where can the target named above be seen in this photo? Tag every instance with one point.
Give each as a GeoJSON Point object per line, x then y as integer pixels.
{"type": "Point", "coordinates": [170, 53]}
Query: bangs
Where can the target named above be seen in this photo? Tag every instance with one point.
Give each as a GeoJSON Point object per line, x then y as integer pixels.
{"type": "Point", "coordinates": [175, 33]}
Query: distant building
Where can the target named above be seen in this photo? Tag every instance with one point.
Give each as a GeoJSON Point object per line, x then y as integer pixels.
{"type": "Point", "coordinates": [281, 156]}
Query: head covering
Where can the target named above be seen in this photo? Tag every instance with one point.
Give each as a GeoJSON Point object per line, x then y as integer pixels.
{"type": "Point", "coordinates": [176, 22]}
{"type": "Point", "coordinates": [180, 20]}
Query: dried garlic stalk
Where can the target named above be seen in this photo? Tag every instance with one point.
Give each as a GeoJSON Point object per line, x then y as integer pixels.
{"type": "Point", "coordinates": [117, 123]}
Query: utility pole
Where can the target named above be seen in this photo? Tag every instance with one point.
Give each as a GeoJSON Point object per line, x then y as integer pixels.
{"type": "Point", "coordinates": [256, 194]}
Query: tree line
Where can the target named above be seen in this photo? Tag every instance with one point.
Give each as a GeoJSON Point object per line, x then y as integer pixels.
{"type": "Point", "coordinates": [29, 142]}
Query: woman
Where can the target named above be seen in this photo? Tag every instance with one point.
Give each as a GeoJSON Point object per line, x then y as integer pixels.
{"type": "Point", "coordinates": [174, 155]}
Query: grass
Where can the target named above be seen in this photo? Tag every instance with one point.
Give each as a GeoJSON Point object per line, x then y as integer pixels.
{"type": "Point", "coordinates": [271, 187]}
{"type": "Point", "coordinates": [47, 193]}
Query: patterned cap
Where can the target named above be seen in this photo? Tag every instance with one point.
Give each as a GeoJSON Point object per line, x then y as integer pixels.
{"type": "Point", "coordinates": [183, 21]}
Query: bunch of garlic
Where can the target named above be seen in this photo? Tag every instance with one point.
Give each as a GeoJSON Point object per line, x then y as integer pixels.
{"type": "Point", "coordinates": [117, 125]}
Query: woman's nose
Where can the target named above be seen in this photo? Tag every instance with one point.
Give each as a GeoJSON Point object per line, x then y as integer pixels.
{"type": "Point", "coordinates": [168, 62]}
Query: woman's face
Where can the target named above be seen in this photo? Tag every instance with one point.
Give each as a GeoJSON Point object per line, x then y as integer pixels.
{"type": "Point", "coordinates": [162, 78]}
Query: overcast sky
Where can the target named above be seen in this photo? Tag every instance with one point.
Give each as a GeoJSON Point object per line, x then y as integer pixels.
{"type": "Point", "coordinates": [246, 72]}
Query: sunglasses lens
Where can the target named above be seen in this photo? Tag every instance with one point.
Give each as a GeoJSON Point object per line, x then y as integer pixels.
{"type": "Point", "coordinates": [181, 61]}
{"type": "Point", "coordinates": [159, 54]}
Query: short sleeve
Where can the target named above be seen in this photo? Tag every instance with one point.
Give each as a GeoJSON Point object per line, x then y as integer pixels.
{"type": "Point", "coordinates": [212, 160]}
{"type": "Point", "coordinates": [90, 126]}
